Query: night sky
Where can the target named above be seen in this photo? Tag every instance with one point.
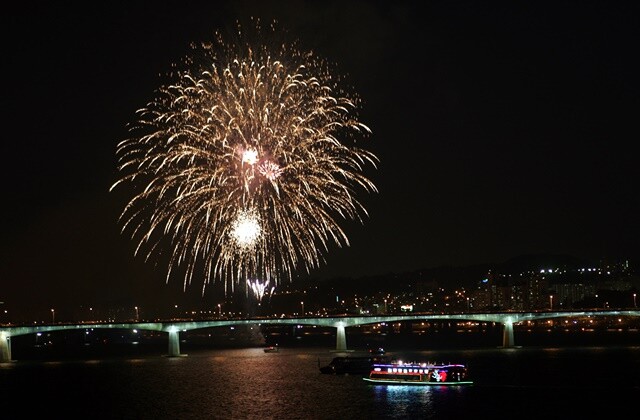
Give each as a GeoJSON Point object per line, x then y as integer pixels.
{"type": "Point", "coordinates": [502, 129]}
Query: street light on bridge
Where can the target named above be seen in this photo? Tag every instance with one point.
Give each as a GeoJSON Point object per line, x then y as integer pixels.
{"type": "Point", "coordinates": [53, 316]}
{"type": "Point", "coordinates": [551, 302]}
{"type": "Point", "coordinates": [137, 314]}
{"type": "Point", "coordinates": [302, 303]}
{"type": "Point", "coordinates": [634, 301]}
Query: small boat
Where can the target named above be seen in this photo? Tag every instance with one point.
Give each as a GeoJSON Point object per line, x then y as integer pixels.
{"type": "Point", "coordinates": [352, 365]}
{"type": "Point", "coordinates": [271, 349]}
{"type": "Point", "coordinates": [400, 373]}
{"type": "Point", "coordinates": [379, 351]}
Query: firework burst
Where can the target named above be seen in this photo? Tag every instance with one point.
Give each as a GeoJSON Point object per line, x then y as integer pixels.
{"type": "Point", "coordinates": [259, 288]}
{"type": "Point", "coordinates": [245, 163]}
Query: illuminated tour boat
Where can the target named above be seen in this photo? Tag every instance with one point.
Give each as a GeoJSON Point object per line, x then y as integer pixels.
{"type": "Point", "coordinates": [399, 373]}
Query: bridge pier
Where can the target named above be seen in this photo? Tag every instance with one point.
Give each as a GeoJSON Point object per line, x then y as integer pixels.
{"type": "Point", "coordinates": [341, 338]}
{"type": "Point", "coordinates": [507, 334]}
{"type": "Point", "coordinates": [174, 343]}
{"type": "Point", "coordinates": [5, 347]}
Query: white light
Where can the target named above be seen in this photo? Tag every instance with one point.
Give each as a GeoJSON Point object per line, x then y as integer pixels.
{"type": "Point", "coordinates": [250, 156]}
{"type": "Point", "coordinates": [246, 229]}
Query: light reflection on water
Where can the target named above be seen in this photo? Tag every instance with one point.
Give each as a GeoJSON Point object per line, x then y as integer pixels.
{"type": "Point", "coordinates": [403, 397]}
{"type": "Point", "coordinates": [250, 384]}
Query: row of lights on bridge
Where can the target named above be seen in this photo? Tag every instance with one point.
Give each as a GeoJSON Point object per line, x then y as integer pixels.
{"type": "Point", "coordinates": [137, 309]}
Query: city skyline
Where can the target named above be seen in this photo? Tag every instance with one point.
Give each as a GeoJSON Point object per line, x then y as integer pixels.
{"type": "Point", "coordinates": [519, 284]}
{"type": "Point", "coordinates": [502, 130]}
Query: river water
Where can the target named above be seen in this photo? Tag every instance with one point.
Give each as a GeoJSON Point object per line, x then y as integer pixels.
{"type": "Point", "coordinates": [572, 382]}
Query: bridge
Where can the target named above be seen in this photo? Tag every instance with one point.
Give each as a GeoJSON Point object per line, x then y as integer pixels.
{"type": "Point", "coordinates": [173, 329]}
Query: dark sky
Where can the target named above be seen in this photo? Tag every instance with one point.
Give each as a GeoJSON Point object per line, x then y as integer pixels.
{"type": "Point", "coordinates": [502, 128]}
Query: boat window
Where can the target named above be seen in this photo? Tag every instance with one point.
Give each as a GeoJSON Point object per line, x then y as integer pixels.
{"type": "Point", "coordinates": [395, 377]}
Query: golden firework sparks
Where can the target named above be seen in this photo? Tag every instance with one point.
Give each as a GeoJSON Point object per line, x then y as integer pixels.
{"type": "Point", "coordinates": [245, 163]}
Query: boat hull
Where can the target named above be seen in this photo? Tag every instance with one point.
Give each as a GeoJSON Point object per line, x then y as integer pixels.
{"type": "Point", "coordinates": [416, 383]}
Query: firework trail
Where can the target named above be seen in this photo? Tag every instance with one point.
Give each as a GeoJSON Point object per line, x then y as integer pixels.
{"type": "Point", "coordinates": [244, 164]}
